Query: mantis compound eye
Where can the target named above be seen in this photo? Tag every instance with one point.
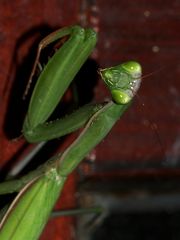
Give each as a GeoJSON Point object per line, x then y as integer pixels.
{"type": "Point", "coordinates": [123, 81]}
{"type": "Point", "coordinates": [120, 97]}
{"type": "Point", "coordinates": [133, 68]}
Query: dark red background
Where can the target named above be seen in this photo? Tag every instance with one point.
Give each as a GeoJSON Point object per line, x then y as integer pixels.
{"type": "Point", "coordinates": [146, 31]}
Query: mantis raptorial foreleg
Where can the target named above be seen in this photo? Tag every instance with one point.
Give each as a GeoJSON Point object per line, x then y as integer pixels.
{"type": "Point", "coordinates": [64, 64]}
{"type": "Point", "coordinates": [41, 188]}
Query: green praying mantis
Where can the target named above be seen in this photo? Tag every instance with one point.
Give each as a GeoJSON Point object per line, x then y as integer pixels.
{"type": "Point", "coordinates": [40, 189]}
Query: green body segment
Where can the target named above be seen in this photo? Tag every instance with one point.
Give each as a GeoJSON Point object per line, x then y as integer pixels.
{"type": "Point", "coordinates": [30, 211]}
{"type": "Point", "coordinates": [58, 73]}
{"type": "Point", "coordinates": [96, 129]}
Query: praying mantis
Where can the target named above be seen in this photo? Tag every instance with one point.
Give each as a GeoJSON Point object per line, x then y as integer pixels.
{"type": "Point", "coordinates": [40, 189]}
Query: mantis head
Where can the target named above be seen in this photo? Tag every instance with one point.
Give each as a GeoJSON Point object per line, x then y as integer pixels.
{"type": "Point", "coordinates": [123, 81]}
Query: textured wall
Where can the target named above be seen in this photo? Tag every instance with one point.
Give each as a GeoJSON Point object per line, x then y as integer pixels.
{"type": "Point", "coordinates": [147, 31]}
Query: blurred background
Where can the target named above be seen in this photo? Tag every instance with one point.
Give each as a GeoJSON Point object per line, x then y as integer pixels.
{"type": "Point", "coordinates": [134, 173]}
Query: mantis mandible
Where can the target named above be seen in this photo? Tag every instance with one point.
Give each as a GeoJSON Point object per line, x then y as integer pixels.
{"type": "Point", "coordinates": [40, 189]}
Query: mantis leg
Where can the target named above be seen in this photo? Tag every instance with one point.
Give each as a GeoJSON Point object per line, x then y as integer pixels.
{"type": "Point", "coordinates": [44, 43]}
{"type": "Point", "coordinates": [53, 82]}
{"type": "Point", "coordinates": [57, 75]}
{"type": "Point", "coordinates": [63, 126]}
